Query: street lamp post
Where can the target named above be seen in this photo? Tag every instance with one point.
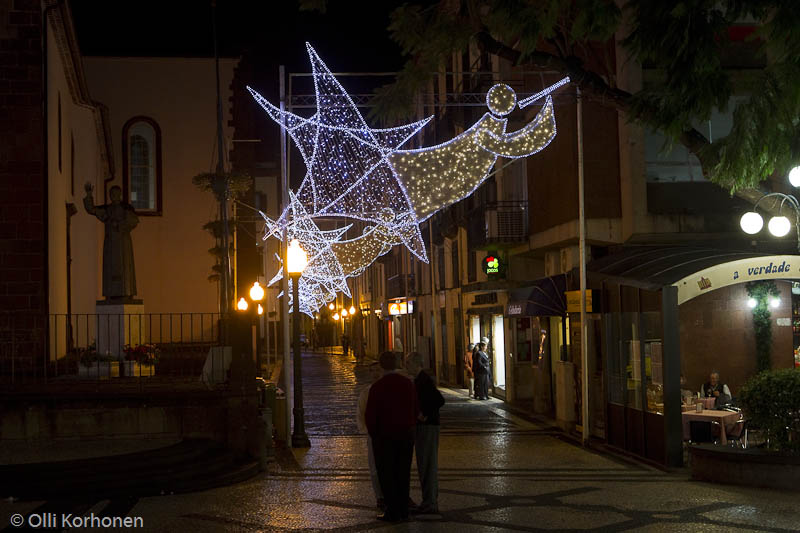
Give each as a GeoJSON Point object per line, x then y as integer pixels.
{"type": "Point", "coordinates": [256, 296]}
{"type": "Point", "coordinates": [297, 259]}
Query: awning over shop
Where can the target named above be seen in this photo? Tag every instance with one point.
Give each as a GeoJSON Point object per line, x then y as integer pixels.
{"type": "Point", "coordinates": [692, 270]}
{"type": "Point", "coordinates": [653, 267]}
{"type": "Point", "coordinates": [545, 297]}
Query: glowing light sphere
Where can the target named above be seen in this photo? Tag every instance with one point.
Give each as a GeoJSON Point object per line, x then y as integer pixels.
{"type": "Point", "coordinates": [260, 310]}
{"type": "Point", "coordinates": [779, 226]}
{"type": "Point", "coordinates": [297, 257]}
{"type": "Point", "coordinates": [352, 310]}
{"type": "Point", "coordinates": [336, 316]}
{"type": "Point", "coordinates": [775, 302]}
{"type": "Point", "coordinates": [344, 312]}
{"type": "Point", "coordinates": [331, 306]}
{"type": "Point", "coordinates": [241, 305]}
{"type": "Point", "coordinates": [751, 303]}
{"type": "Point", "coordinates": [751, 222]}
{"type": "Point", "coordinates": [794, 176]}
{"type": "Point", "coordinates": [256, 292]}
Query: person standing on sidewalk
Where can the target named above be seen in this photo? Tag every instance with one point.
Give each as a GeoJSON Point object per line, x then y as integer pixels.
{"type": "Point", "coordinates": [480, 365]}
{"type": "Point", "coordinates": [427, 438]}
{"type": "Point", "coordinates": [468, 369]}
{"type": "Point", "coordinates": [391, 418]}
{"type": "Point", "coordinates": [374, 374]}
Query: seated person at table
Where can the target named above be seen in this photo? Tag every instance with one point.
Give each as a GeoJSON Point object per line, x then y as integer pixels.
{"type": "Point", "coordinates": [686, 394]}
{"type": "Point", "coordinates": [715, 388]}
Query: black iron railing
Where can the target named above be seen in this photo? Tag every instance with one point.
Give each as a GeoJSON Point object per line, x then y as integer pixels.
{"type": "Point", "coordinates": [37, 348]}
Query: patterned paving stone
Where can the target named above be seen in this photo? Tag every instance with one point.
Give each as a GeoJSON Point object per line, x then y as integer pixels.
{"type": "Point", "coordinates": [498, 472]}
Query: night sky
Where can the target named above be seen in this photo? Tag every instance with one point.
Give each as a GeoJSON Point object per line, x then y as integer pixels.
{"type": "Point", "coordinates": [351, 36]}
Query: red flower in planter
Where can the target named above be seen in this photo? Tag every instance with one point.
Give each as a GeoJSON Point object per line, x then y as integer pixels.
{"type": "Point", "coordinates": [144, 354]}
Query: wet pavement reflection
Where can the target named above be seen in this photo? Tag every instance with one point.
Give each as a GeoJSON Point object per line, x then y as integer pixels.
{"type": "Point", "coordinates": [499, 471]}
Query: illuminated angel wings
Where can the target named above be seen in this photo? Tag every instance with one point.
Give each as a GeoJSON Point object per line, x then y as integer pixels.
{"type": "Point", "coordinates": [361, 173]}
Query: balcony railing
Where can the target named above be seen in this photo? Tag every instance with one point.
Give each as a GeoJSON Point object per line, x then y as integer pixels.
{"type": "Point", "coordinates": [499, 224]}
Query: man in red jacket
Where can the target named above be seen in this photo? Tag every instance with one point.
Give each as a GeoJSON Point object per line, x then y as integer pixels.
{"type": "Point", "coordinates": [391, 418]}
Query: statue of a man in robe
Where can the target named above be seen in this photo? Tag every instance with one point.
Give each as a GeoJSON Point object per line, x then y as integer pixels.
{"type": "Point", "coordinates": [119, 218]}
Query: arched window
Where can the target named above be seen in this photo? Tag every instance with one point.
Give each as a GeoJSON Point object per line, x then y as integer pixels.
{"type": "Point", "coordinates": [141, 165]}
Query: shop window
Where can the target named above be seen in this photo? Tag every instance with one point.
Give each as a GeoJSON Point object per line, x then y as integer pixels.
{"type": "Point", "coordinates": [454, 263]}
{"type": "Point", "coordinates": [141, 164]}
{"type": "Point", "coordinates": [72, 164]}
{"type": "Point", "coordinates": [59, 132]}
{"type": "Point", "coordinates": [472, 267]}
{"type": "Point", "coordinates": [440, 264]}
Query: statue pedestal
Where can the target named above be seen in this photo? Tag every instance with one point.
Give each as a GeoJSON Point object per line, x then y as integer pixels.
{"type": "Point", "coordinates": [119, 324]}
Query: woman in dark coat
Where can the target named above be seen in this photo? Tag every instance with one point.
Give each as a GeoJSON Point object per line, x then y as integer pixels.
{"type": "Point", "coordinates": [480, 366]}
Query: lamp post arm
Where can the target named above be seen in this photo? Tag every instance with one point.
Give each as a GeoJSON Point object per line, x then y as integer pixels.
{"type": "Point", "coordinates": [783, 198]}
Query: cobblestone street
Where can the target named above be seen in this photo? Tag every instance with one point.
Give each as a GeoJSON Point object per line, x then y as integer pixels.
{"type": "Point", "coordinates": [498, 472]}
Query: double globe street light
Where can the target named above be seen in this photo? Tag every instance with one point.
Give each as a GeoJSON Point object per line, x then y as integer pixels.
{"type": "Point", "coordinates": [256, 294]}
{"type": "Point", "coordinates": [779, 225]}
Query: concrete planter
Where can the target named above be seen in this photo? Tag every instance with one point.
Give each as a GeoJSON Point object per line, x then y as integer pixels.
{"type": "Point", "coordinates": [133, 369]}
{"type": "Point", "coordinates": [99, 370]}
{"type": "Point", "coordinates": [752, 467]}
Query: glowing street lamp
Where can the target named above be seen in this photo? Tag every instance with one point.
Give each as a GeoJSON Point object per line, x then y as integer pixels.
{"type": "Point", "coordinates": [336, 316]}
{"type": "Point", "coordinates": [352, 310]}
{"type": "Point", "coordinates": [297, 258]}
{"type": "Point", "coordinates": [296, 262]}
{"type": "Point", "coordinates": [256, 292]}
{"type": "Point", "coordinates": [344, 313]}
{"type": "Point", "coordinates": [779, 226]}
{"type": "Point", "coordinates": [331, 306]}
{"type": "Point", "coordinates": [242, 305]}
{"type": "Point", "coordinates": [794, 176]}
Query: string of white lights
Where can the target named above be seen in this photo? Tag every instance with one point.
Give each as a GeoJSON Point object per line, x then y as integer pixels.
{"type": "Point", "coordinates": [359, 173]}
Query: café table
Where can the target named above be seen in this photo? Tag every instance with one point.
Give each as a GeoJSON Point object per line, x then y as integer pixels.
{"type": "Point", "coordinates": [725, 418]}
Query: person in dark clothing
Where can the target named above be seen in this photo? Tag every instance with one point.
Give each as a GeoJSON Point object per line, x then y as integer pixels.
{"type": "Point", "coordinates": [715, 388]}
{"type": "Point", "coordinates": [427, 438]}
{"type": "Point", "coordinates": [345, 345]}
{"type": "Point", "coordinates": [391, 418]}
{"type": "Point", "coordinates": [480, 365]}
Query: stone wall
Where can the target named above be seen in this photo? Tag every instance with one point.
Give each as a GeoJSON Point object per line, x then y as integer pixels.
{"type": "Point", "coordinates": [717, 334]}
{"type": "Point", "coordinates": [23, 230]}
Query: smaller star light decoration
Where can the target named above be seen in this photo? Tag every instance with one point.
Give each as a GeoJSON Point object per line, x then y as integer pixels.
{"type": "Point", "coordinates": [362, 175]}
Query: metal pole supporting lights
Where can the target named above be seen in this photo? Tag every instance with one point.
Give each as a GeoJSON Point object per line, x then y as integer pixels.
{"type": "Point", "coordinates": [296, 261]}
{"type": "Point", "coordinates": [256, 296]}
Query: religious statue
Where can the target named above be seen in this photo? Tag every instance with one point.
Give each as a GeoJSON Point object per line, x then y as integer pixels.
{"type": "Point", "coordinates": [119, 276]}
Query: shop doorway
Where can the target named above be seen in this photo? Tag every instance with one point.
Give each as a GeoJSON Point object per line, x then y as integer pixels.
{"type": "Point", "coordinates": [498, 352]}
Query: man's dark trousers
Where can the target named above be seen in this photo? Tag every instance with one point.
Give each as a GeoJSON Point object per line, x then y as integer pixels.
{"type": "Point", "coordinates": [393, 461]}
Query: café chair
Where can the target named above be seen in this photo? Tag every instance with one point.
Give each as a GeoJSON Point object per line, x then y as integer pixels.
{"type": "Point", "coordinates": [738, 434]}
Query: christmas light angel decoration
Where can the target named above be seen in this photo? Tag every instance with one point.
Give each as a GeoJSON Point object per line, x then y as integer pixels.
{"type": "Point", "coordinates": [358, 173]}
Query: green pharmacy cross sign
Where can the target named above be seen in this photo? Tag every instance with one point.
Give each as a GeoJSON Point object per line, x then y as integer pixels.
{"type": "Point", "coordinates": [491, 264]}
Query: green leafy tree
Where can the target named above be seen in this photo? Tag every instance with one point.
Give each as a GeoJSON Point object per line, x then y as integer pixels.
{"type": "Point", "coordinates": [685, 42]}
{"type": "Point", "coordinates": [762, 292]}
